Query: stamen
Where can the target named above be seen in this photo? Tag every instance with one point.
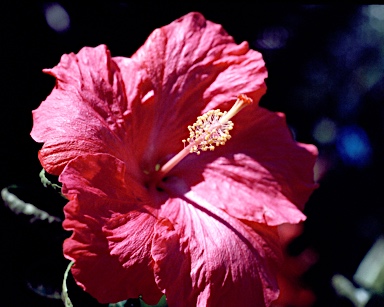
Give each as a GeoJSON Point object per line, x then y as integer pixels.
{"type": "Point", "coordinates": [210, 130]}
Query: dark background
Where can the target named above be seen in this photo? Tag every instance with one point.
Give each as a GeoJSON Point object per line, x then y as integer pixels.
{"type": "Point", "coordinates": [325, 72]}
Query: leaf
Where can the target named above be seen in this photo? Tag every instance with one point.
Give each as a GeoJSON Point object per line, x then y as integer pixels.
{"type": "Point", "coordinates": [64, 293]}
{"type": "Point", "coordinates": [20, 207]}
{"type": "Point", "coordinates": [45, 291]}
{"type": "Point", "coordinates": [119, 304]}
{"type": "Point", "coordinates": [162, 303]}
{"type": "Point", "coordinates": [139, 302]}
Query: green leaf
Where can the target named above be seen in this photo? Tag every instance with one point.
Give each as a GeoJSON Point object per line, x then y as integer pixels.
{"type": "Point", "coordinates": [162, 303]}
{"type": "Point", "coordinates": [20, 207]}
{"type": "Point", "coordinates": [64, 293]}
{"type": "Point", "coordinates": [45, 291]}
{"type": "Point", "coordinates": [119, 304]}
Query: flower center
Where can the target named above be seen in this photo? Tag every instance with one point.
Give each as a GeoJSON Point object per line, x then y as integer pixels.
{"type": "Point", "coordinates": [210, 129]}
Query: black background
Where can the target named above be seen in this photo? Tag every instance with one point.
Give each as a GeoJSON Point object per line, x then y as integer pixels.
{"type": "Point", "coordinates": [327, 63]}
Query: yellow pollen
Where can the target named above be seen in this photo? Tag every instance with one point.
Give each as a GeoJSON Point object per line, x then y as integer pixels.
{"type": "Point", "coordinates": [213, 128]}
{"type": "Point", "coordinates": [210, 130]}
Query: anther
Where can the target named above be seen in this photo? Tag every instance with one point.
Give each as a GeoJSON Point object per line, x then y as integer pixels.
{"type": "Point", "coordinates": [210, 129]}
{"type": "Point", "coordinates": [213, 128]}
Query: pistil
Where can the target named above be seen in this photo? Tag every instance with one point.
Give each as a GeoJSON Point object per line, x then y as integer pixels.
{"type": "Point", "coordinates": [211, 129]}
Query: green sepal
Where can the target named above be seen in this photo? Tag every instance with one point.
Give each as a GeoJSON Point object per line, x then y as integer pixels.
{"type": "Point", "coordinates": [47, 183]}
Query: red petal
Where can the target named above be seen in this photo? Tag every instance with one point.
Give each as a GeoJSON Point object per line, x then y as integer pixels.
{"type": "Point", "coordinates": [261, 174]}
{"type": "Point", "coordinates": [193, 65]}
{"type": "Point", "coordinates": [113, 105]}
{"type": "Point", "coordinates": [204, 257]}
{"type": "Point", "coordinates": [112, 231]}
{"type": "Point", "coordinates": [86, 111]}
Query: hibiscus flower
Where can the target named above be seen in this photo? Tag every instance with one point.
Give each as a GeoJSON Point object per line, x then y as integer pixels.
{"type": "Point", "coordinates": [201, 229]}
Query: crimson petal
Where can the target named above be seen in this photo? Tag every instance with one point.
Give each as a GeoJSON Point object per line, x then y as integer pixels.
{"type": "Point", "coordinates": [86, 111]}
{"type": "Point", "coordinates": [261, 174]}
{"type": "Point", "coordinates": [204, 257]}
{"type": "Point", "coordinates": [112, 231]}
{"type": "Point", "coordinates": [193, 66]}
